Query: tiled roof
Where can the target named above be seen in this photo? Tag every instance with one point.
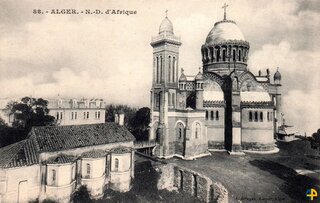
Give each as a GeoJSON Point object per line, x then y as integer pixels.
{"type": "Point", "coordinates": [94, 154]}
{"type": "Point", "coordinates": [61, 159]}
{"type": "Point", "coordinates": [121, 150]}
{"type": "Point", "coordinates": [23, 153]}
{"type": "Point", "coordinates": [57, 138]}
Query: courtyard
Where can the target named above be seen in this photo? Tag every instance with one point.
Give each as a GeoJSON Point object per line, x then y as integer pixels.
{"type": "Point", "coordinates": [281, 177]}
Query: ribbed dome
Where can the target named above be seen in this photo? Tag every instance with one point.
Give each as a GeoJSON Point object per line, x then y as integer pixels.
{"type": "Point", "coordinates": [199, 76]}
{"type": "Point", "coordinates": [223, 31]}
{"type": "Point", "coordinates": [182, 78]}
{"type": "Point", "coordinates": [277, 75]}
{"type": "Point", "coordinates": [166, 26]}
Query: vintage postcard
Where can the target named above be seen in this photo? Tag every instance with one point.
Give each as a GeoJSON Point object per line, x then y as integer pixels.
{"type": "Point", "coordinates": [159, 101]}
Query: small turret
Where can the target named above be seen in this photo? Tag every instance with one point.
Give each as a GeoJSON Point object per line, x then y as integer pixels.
{"type": "Point", "coordinates": [277, 77]}
{"type": "Point", "coordinates": [199, 76]}
{"type": "Point", "coordinates": [199, 90]}
{"type": "Point", "coordinates": [182, 80]}
{"type": "Point", "coordinates": [199, 80]}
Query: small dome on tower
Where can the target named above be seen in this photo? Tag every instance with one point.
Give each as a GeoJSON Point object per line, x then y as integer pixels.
{"type": "Point", "coordinates": [199, 76]}
{"type": "Point", "coordinates": [166, 26]}
{"type": "Point", "coordinates": [182, 78]}
{"type": "Point", "coordinates": [277, 75]}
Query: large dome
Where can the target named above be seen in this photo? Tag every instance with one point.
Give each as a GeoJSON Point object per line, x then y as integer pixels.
{"type": "Point", "coordinates": [223, 31]}
{"type": "Point", "coordinates": [166, 26]}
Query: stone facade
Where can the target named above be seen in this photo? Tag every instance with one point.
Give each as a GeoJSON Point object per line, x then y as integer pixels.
{"type": "Point", "coordinates": [54, 161]}
{"type": "Point", "coordinates": [223, 107]}
{"type": "Point", "coordinates": [175, 177]}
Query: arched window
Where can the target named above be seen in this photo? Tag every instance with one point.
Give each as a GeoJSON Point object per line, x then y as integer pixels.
{"type": "Point", "coordinates": [250, 116]}
{"type": "Point", "coordinates": [211, 53]}
{"type": "Point", "coordinates": [99, 114]}
{"type": "Point", "coordinates": [72, 173]}
{"type": "Point", "coordinates": [224, 55]}
{"type": "Point", "coordinates": [197, 131]}
{"type": "Point", "coordinates": [61, 115]}
{"type": "Point", "coordinates": [54, 176]}
{"type": "Point", "coordinates": [161, 69]}
{"type": "Point", "coordinates": [173, 100]}
{"type": "Point", "coordinates": [218, 54]}
{"type": "Point", "coordinates": [88, 170]}
{"type": "Point", "coordinates": [217, 115]}
{"type": "Point", "coordinates": [204, 54]}
{"type": "Point", "coordinates": [169, 72]}
{"type": "Point", "coordinates": [75, 115]}
{"type": "Point", "coordinates": [57, 115]}
{"type": "Point", "coordinates": [179, 131]}
{"type": "Point", "coordinates": [239, 57]}
{"type": "Point", "coordinates": [158, 71]}
{"type": "Point", "coordinates": [234, 55]}
{"type": "Point", "coordinates": [181, 179]}
{"type": "Point", "coordinates": [212, 115]}
{"type": "Point", "coordinates": [173, 69]}
{"type": "Point", "coordinates": [71, 115]}
{"type": "Point", "coordinates": [169, 97]}
{"type": "Point", "coordinates": [256, 116]}
{"type": "Point", "coordinates": [116, 164]}
{"type": "Point", "coordinates": [159, 99]}
{"type": "Point", "coordinates": [195, 185]}
{"type": "Point", "coordinates": [207, 115]}
{"type": "Point", "coordinates": [87, 115]}
{"type": "Point", "coordinates": [261, 116]}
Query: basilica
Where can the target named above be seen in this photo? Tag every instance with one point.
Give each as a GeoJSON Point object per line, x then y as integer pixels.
{"type": "Point", "coordinates": [222, 107]}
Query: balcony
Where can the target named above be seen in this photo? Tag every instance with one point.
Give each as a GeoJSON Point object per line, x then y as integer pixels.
{"type": "Point", "coordinates": [168, 38]}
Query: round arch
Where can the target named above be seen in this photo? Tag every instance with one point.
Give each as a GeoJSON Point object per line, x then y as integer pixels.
{"type": "Point", "coordinates": [180, 121]}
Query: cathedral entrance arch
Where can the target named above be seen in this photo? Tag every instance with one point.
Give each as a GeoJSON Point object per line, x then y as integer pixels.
{"type": "Point", "coordinates": [180, 137]}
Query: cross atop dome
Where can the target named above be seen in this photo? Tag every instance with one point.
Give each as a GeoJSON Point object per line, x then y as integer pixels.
{"type": "Point", "coordinates": [225, 10]}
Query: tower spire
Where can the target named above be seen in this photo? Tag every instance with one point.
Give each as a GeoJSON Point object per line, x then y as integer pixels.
{"type": "Point", "coordinates": [225, 11]}
{"type": "Point", "coordinates": [166, 13]}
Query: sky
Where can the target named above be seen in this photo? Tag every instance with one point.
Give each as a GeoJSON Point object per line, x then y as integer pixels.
{"type": "Point", "coordinates": [110, 57]}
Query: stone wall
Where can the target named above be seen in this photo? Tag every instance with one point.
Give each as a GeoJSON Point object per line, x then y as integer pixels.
{"type": "Point", "coordinates": [173, 177]}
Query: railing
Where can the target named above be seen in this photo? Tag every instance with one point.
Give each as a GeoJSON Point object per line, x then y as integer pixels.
{"type": "Point", "coordinates": [168, 37]}
{"type": "Point", "coordinates": [144, 144]}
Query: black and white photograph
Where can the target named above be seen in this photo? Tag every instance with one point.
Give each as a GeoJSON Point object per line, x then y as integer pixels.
{"type": "Point", "coordinates": [159, 101]}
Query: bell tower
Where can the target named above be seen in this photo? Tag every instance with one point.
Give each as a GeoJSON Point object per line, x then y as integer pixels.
{"type": "Point", "coordinates": [164, 84]}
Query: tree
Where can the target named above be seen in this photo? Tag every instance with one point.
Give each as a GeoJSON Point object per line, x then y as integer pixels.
{"type": "Point", "coordinates": [315, 140]}
{"type": "Point", "coordinates": [129, 113]}
{"type": "Point", "coordinates": [82, 195]}
{"type": "Point", "coordinates": [30, 112]}
{"type": "Point", "coordinates": [141, 124]}
{"type": "Point", "coordinates": [137, 121]}
{"type": "Point", "coordinates": [27, 113]}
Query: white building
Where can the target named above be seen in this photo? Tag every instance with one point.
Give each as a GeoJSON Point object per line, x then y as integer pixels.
{"type": "Point", "coordinates": [54, 161]}
{"type": "Point", "coordinates": [77, 111]}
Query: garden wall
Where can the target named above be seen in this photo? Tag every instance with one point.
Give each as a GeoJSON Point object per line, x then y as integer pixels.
{"type": "Point", "coordinates": [173, 177]}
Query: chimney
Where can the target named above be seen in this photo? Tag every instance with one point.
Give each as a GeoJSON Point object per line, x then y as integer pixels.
{"type": "Point", "coordinates": [116, 118]}
{"type": "Point", "coordinates": [121, 119]}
